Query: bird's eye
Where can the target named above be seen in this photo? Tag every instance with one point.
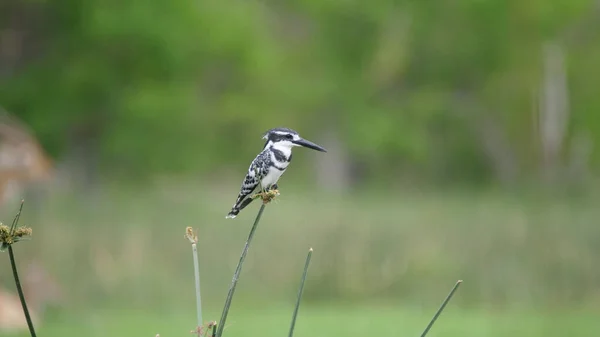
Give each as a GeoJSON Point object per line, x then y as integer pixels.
{"type": "Point", "coordinates": [289, 136]}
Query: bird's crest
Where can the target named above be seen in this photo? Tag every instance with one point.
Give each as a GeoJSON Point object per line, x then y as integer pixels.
{"type": "Point", "coordinates": [280, 131]}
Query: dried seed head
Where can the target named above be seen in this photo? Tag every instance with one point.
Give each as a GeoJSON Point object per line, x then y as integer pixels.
{"type": "Point", "coordinates": [23, 231]}
{"type": "Point", "coordinates": [7, 238]}
{"type": "Point", "coordinates": [266, 196]}
{"type": "Point", "coordinates": [190, 235]}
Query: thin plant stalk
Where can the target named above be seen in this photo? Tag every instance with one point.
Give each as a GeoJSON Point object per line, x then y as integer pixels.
{"type": "Point", "coordinates": [197, 275]}
{"type": "Point", "coordinates": [193, 239]}
{"type": "Point", "coordinates": [20, 291]}
{"type": "Point", "coordinates": [238, 270]}
{"type": "Point", "coordinates": [13, 264]}
{"type": "Point", "coordinates": [437, 314]}
{"type": "Point", "coordinates": [295, 314]}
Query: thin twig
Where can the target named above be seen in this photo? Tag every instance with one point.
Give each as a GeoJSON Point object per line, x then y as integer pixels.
{"type": "Point", "coordinates": [13, 226]}
{"type": "Point", "coordinates": [300, 293]}
{"type": "Point", "coordinates": [238, 270]}
{"type": "Point", "coordinates": [437, 314]}
{"type": "Point", "coordinates": [13, 264]}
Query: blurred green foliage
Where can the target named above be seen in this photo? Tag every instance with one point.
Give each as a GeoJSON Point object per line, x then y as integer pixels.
{"type": "Point", "coordinates": [178, 86]}
{"type": "Point", "coordinates": [436, 91]}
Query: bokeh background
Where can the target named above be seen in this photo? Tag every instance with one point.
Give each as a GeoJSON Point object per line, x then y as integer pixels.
{"type": "Point", "coordinates": [462, 140]}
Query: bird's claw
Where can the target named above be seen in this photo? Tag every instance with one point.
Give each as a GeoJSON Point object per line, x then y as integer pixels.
{"type": "Point", "coordinates": [266, 196]}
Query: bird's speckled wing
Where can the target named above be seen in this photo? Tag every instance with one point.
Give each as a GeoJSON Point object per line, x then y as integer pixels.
{"type": "Point", "coordinates": [255, 173]}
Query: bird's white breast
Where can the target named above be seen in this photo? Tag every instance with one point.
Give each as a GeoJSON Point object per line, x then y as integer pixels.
{"type": "Point", "coordinates": [271, 178]}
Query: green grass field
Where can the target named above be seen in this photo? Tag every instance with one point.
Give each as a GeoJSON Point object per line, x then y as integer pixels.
{"type": "Point", "coordinates": [382, 263]}
{"type": "Point", "coordinates": [265, 320]}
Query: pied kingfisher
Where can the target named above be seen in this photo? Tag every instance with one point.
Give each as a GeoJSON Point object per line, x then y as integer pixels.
{"type": "Point", "coordinates": [270, 164]}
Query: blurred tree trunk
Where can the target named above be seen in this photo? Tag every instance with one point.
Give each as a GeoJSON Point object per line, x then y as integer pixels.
{"type": "Point", "coordinates": [496, 146]}
{"type": "Point", "coordinates": [553, 113]}
{"type": "Point", "coordinates": [79, 167]}
{"type": "Point", "coordinates": [582, 33]}
{"type": "Point", "coordinates": [21, 34]}
{"type": "Point", "coordinates": [580, 155]}
{"type": "Point", "coordinates": [492, 137]}
{"type": "Point", "coordinates": [333, 170]}
{"type": "Point", "coordinates": [11, 38]}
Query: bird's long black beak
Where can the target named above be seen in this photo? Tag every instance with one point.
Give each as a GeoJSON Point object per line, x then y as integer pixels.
{"type": "Point", "coordinates": [310, 145]}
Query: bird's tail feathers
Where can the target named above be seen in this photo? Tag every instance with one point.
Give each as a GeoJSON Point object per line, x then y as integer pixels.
{"type": "Point", "coordinates": [241, 203]}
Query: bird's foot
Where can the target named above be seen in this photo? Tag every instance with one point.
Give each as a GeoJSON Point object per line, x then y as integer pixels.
{"type": "Point", "coordinates": [266, 196]}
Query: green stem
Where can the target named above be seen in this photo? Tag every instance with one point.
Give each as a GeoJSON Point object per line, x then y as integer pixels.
{"type": "Point", "coordinates": [437, 314]}
{"type": "Point", "coordinates": [300, 293]}
{"type": "Point", "coordinates": [20, 291]}
{"type": "Point", "coordinates": [236, 275]}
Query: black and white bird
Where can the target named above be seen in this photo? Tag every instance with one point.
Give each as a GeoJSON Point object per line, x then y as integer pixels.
{"type": "Point", "coordinates": [269, 165]}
